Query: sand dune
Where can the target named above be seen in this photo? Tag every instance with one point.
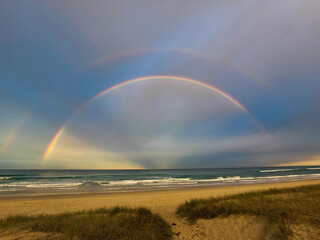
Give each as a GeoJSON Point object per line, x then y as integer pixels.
{"type": "Point", "coordinates": [163, 202]}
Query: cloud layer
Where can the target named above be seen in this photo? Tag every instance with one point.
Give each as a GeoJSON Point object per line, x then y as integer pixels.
{"type": "Point", "coordinates": [57, 55]}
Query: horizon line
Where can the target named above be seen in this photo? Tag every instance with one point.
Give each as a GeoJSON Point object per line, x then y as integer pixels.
{"type": "Point", "coordinates": [143, 169]}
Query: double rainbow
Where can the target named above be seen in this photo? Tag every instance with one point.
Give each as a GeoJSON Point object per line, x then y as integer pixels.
{"type": "Point", "coordinates": [142, 79]}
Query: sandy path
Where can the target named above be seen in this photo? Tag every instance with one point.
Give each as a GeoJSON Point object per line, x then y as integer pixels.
{"type": "Point", "coordinates": [163, 202]}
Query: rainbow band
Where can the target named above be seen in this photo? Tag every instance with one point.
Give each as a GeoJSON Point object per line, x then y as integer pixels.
{"type": "Point", "coordinates": [125, 54]}
{"type": "Point", "coordinates": [189, 80]}
{"type": "Point", "coordinates": [9, 139]}
{"type": "Point", "coordinates": [142, 79]}
{"type": "Point", "coordinates": [53, 142]}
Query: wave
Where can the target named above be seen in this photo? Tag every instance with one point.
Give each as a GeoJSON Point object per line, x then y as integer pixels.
{"type": "Point", "coordinates": [25, 177]}
{"type": "Point", "coordinates": [5, 178]}
{"type": "Point", "coordinates": [188, 181]}
{"type": "Point", "coordinates": [291, 176]}
{"type": "Point", "coordinates": [163, 181]}
{"type": "Point", "coordinates": [94, 184]}
{"type": "Point", "coordinates": [159, 182]}
{"type": "Point", "coordinates": [315, 168]}
{"type": "Point", "coordinates": [277, 170]}
{"type": "Point", "coordinates": [34, 185]}
{"type": "Point", "coordinates": [15, 175]}
{"type": "Point", "coordinates": [222, 179]}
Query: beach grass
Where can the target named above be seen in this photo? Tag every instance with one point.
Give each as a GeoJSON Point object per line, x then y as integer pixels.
{"type": "Point", "coordinates": [119, 223]}
{"type": "Point", "coordinates": [280, 208]}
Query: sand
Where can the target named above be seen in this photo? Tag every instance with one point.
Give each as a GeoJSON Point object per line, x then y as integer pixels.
{"type": "Point", "coordinates": [163, 202]}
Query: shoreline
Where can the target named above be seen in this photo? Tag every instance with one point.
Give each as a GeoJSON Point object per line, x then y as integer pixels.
{"type": "Point", "coordinates": [190, 188]}
{"type": "Point", "coordinates": [42, 192]}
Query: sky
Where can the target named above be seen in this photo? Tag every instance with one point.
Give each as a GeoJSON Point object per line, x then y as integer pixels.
{"type": "Point", "coordinates": [159, 84]}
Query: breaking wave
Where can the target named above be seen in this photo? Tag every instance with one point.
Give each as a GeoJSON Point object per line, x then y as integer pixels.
{"type": "Point", "coordinates": [277, 170]}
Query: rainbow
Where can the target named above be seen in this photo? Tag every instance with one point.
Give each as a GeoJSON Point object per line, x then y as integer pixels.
{"type": "Point", "coordinates": [54, 141]}
{"type": "Point", "coordinates": [140, 51]}
{"type": "Point", "coordinates": [143, 79]}
{"type": "Point", "coordinates": [9, 139]}
{"type": "Point", "coordinates": [189, 80]}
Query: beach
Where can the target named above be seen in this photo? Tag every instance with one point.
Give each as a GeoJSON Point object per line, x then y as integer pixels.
{"type": "Point", "coordinates": [163, 202]}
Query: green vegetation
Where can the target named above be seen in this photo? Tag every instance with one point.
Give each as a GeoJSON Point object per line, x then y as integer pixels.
{"type": "Point", "coordinates": [279, 207]}
{"type": "Point", "coordinates": [116, 223]}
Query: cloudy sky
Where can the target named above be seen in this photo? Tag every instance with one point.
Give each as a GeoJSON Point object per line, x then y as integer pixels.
{"type": "Point", "coordinates": [250, 94]}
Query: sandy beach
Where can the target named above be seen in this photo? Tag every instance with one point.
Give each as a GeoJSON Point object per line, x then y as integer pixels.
{"type": "Point", "coordinates": [163, 202]}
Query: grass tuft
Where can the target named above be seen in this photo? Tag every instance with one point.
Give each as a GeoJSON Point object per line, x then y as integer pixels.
{"type": "Point", "coordinates": [280, 207]}
{"type": "Point", "coordinates": [119, 223]}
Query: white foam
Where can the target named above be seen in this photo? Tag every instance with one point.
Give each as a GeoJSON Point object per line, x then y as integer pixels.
{"type": "Point", "coordinates": [277, 170]}
{"type": "Point", "coordinates": [164, 181]}
{"type": "Point", "coordinates": [159, 182]}
{"type": "Point", "coordinates": [53, 185]}
{"type": "Point", "coordinates": [5, 178]}
{"type": "Point", "coordinates": [38, 185]}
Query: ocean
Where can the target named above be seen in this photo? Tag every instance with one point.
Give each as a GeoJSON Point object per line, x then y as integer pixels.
{"type": "Point", "coordinates": [37, 182]}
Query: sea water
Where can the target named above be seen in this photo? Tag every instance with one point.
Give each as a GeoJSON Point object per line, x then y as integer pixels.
{"type": "Point", "coordinates": [25, 182]}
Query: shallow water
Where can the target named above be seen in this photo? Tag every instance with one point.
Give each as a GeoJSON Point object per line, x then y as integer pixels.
{"type": "Point", "coordinates": [26, 182]}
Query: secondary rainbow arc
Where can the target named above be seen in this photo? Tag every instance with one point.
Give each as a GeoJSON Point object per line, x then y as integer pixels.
{"type": "Point", "coordinates": [142, 79]}
{"type": "Point", "coordinates": [10, 138]}
{"type": "Point", "coordinates": [186, 51]}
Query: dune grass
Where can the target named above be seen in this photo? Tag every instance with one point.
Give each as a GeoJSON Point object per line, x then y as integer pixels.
{"type": "Point", "coordinates": [281, 208]}
{"type": "Point", "coordinates": [116, 223]}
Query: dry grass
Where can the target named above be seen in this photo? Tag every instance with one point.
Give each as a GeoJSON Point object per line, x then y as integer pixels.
{"type": "Point", "coordinates": [116, 223]}
{"type": "Point", "coordinates": [281, 208]}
